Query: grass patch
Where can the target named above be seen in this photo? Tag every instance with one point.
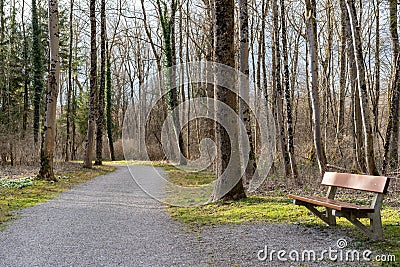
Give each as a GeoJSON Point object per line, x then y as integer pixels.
{"type": "Point", "coordinates": [278, 208]}
{"type": "Point", "coordinates": [13, 199]}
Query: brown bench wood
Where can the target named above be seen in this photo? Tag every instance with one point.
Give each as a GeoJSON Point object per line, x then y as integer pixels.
{"type": "Point", "coordinates": [352, 212]}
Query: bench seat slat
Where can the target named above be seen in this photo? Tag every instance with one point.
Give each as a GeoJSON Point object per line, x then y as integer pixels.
{"type": "Point", "coordinates": [332, 204]}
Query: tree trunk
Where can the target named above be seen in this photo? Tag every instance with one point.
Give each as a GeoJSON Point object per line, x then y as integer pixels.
{"type": "Point", "coordinates": [47, 155]}
{"type": "Point", "coordinates": [278, 95]}
{"type": "Point", "coordinates": [244, 87]}
{"type": "Point", "coordinates": [37, 70]}
{"type": "Point", "coordinates": [342, 76]}
{"type": "Point", "coordinates": [168, 30]}
{"type": "Point", "coordinates": [362, 86]}
{"type": "Point", "coordinates": [100, 103]}
{"type": "Point", "coordinates": [288, 94]}
{"type": "Point", "coordinates": [394, 144]}
{"type": "Point", "coordinates": [69, 92]}
{"type": "Point", "coordinates": [109, 106]}
{"type": "Point", "coordinates": [26, 72]}
{"type": "Point", "coordinates": [392, 127]}
{"type": "Point", "coordinates": [93, 87]}
{"type": "Point", "coordinates": [312, 40]}
{"type": "Point", "coordinates": [227, 145]}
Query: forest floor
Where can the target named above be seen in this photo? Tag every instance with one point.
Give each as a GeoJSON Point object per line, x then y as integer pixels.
{"type": "Point", "coordinates": [110, 221]}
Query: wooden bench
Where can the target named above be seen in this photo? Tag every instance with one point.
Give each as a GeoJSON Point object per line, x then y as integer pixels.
{"type": "Point", "coordinates": [352, 212]}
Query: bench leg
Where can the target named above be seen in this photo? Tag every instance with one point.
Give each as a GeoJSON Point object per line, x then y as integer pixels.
{"type": "Point", "coordinates": [374, 231]}
{"type": "Point", "coordinates": [376, 226]}
{"type": "Point", "coordinates": [330, 217]}
{"type": "Point", "coordinates": [322, 215]}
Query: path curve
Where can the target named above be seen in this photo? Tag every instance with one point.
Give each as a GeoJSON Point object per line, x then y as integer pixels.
{"type": "Point", "coordinates": [109, 221]}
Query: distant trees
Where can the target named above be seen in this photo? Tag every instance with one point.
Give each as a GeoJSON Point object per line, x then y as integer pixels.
{"type": "Point", "coordinates": [332, 83]}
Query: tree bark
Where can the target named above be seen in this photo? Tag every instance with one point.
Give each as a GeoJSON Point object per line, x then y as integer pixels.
{"type": "Point", "coordinates": [392, 127]}
{"type": "Point", "coordinates": [312, 40]}
{"type": "Point", "coordinates": [288, 94]}
{"type": "Point", "coordinates": [47, 155]}
{"type": "Point", "coordinates": [276, 84]}
{"type": "Point", "coordinates": [100, 103]}
{"type": "Point", "coordinates": [37, 70]}
{"type": "Point", "coordinates": [245, 86]}
{"type": "Point", "coordinates": [342, 76]}
{"type": "Point", "coordinates": [227, 146]}
{"type": "Point", "coordinates": [93, 87]}
{"type": "Point", "coordinates": [69, 89]}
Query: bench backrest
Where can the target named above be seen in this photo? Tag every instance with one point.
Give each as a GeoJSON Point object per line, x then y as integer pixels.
{"type": "Point", "coordinates": [377, 184]}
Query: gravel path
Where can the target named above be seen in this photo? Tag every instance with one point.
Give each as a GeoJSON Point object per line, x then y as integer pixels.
{"type": "Point", "coordinates": [111, 222]}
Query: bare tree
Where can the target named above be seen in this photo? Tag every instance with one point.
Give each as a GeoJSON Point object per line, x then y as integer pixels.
{"type": "Point", "coordinates": [312, 41]}
{"type": "Point", "coordinates": [289, 117]}
{"type": "Point", "coordinates": [362, 87]}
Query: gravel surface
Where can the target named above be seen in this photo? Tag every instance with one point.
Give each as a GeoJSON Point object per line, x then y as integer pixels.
{"type": "Point", "coordinates": [109, 221]}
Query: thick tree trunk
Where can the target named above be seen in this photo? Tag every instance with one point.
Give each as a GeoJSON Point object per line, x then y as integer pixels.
{"type": "Point", "coordinates": [227, 145]}
{"type": "Point", "coordinates": [362, 86]}
{"type": "Point", "coordinates": [47, 155]}
{"type": "Point", "coordinates": [312, 40]}
{"type": "Point", "coordinates": [93, 87]}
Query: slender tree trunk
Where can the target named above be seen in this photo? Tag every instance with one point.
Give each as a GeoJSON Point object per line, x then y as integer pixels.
{"type": "Point", "coordinates": [109, 106]}
{"type": "Point", "coordinates": [93, 87]}
{"type": "Point", "coordinates": [245, 86]}
{"type": "Point", "coordinates": [359, 160]}
{"type": "Point", "coordinates": [37, 70]}
{"type": "Point", "coordinates": [26, 72]}
{"type": "Point", "coordinates": [168, 30]}
{"type": "Point", "coordinates": [392, 127]}
{"type": "Point", "coordinates": [312, 40]}
{"type": "Point", "coordinates": [377, 68]}
{"type": "Point", "coordinates": [288, 94]}
{"type": "Point", "coordinates": [69, 92]}
{"type": "Point", "coordinates": [100, 112]}
{"type": "Point", "coordinates": [227, 145]}
{"type": "Point", "coordinates": [342, 76]}
{"type": "Point", "coordinates": [47, 155]}
{"type": "Point", "coordinates": [362, 86]}
{"type": "Point", "coordinates": [394, 144]}
{"type": "Point", "coordinates": [278, 95]}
